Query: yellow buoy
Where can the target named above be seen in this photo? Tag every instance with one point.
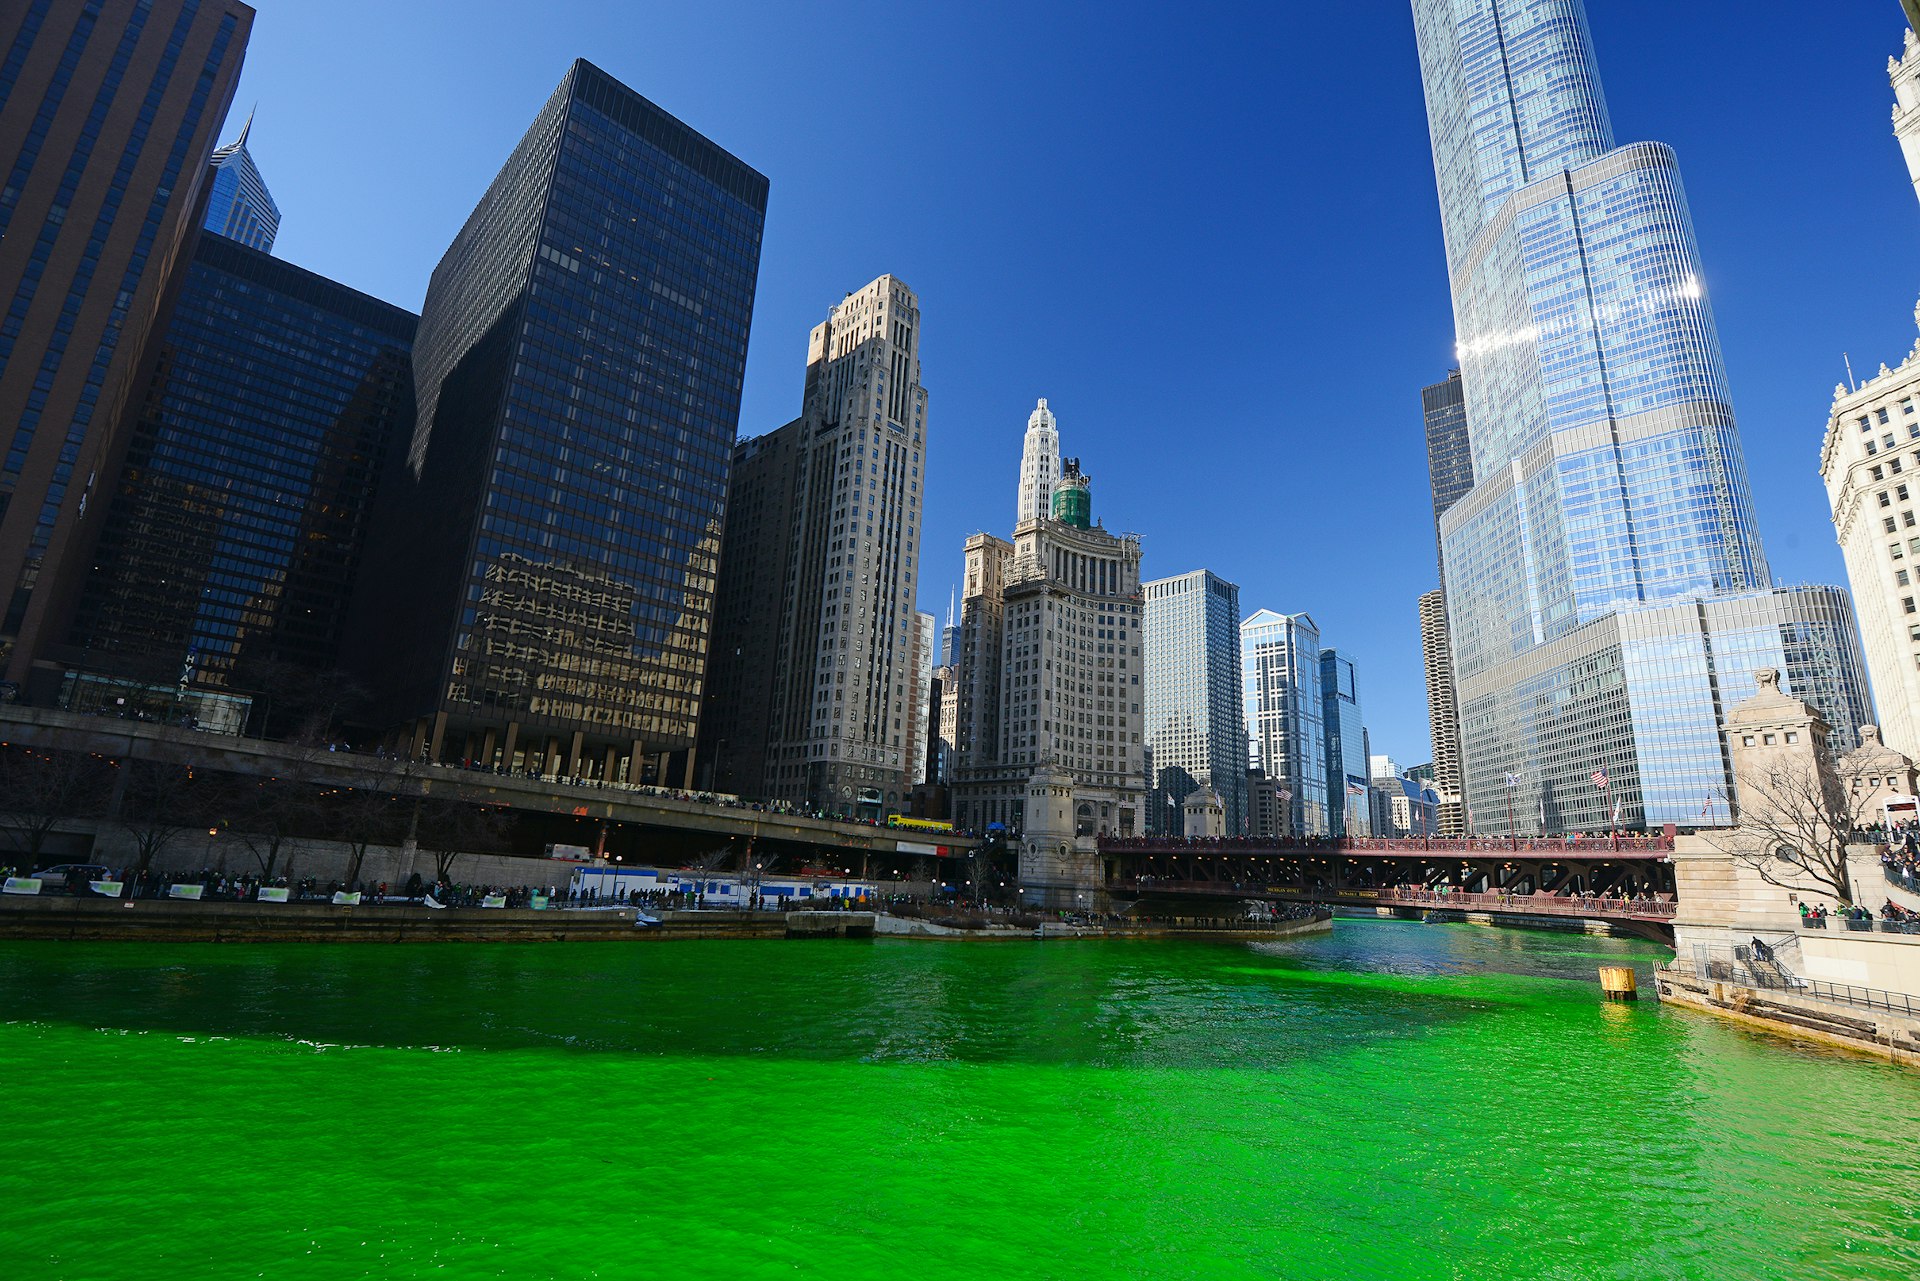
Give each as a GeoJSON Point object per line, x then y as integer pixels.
{"type": "Point", "coordinates": [1618, 982]}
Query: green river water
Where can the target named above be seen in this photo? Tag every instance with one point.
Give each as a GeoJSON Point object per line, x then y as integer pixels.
{"type": "Point", "coordinates": [1395, 1100]}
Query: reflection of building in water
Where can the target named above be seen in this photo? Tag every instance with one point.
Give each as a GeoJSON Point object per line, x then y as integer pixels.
{"type": "Point", "coordinates": [546, 563]}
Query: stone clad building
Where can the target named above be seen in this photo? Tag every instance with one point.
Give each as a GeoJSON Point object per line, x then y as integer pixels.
{"type": "Point", "coordinates": [1870, 461]}
{"type": "Point", "coordinates": [1050, 700]}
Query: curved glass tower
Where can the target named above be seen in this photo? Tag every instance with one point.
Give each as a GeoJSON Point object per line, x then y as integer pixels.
{"type": "Point", "coordinates": [1610, 501]}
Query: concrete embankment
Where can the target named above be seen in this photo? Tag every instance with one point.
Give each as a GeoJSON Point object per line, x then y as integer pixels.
{"type": "Point", "coordinates": [1252, 931]}
{"type": "Point", "coordinates": [165, 921]}
{"type": "Point", "coordinates": [169, 921]}
{"type": "Point", "coordinates": [1889, 1034]}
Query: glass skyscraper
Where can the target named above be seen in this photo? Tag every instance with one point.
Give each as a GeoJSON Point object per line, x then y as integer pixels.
{"type": "Point", "coordinates": [1605, 584]}
{"type": "Point", "coordinates": [235, 531]}
{"type": "Point", "coordinates": [1195, 720]}
{"type": "Point", "coordinates": [239, 206]}
{"type": "Point", "coordinates": [1348, 770]}
{"type": "Point", "coordinates": [1285, 709]}
{"type": "Point", "coordinates": [546, 561]}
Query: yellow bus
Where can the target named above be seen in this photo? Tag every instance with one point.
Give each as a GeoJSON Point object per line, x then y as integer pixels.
{"type": "Point", "coordinates": [919, 824]}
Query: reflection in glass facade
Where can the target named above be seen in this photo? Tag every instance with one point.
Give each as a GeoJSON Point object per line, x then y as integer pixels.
{"type": "Point", "coordinates": [1195, 721]}
{"type": "Point", "coordinates": [1608, 474]}
{"type": "Point", "coordinates": [1284, 706]}
{"type": "Point", "coordinates": [236, 528]}
{"type": "Point", "coordinates": [1348, 770]}
{"type": "Point", "coordinates": [547, 563]}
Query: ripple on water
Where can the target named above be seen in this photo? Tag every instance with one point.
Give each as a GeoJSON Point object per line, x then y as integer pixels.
{"type": "Point", "coordinates": [1392, 1101]}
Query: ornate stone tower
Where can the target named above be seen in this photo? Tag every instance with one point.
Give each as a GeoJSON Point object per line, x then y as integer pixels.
{"type": "Point", "coordinates": [1039, 465]}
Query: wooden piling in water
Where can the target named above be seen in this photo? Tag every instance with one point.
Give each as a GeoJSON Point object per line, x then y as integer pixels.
{"type": "Point", "coordinates": [1617, 982]}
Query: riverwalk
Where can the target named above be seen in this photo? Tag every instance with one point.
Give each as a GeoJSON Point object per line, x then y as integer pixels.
{"type": "Point", "coordinates": [180, 921]}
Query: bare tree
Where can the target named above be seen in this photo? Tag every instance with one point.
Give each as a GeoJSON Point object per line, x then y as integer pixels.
{"type": "Point", "coordinates": [156, 806]}
{"type": "Point", "coordinates": [362, 817]}
{"type": "Point", "coordinates": [266, 813]}
{"type": "Point", "coordinates": [1796, 819]}
{"type": "Point", "coordinates": [40, 789]}
{"type": "Point", "coordinates": [447, 829]}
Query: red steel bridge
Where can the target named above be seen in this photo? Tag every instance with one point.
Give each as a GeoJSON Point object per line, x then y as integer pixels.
{"type": "Point", "coordinates": [1624, 879]}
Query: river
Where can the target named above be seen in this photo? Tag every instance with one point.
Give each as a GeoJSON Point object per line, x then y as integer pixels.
{"type": "Point", "coordinates": [1395, 1100]}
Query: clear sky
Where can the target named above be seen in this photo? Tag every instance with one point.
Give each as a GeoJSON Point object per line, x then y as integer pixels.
{"type": "Point", "coordinates": [1206, 233]}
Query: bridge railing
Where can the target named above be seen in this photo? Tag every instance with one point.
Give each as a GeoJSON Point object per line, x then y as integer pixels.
{"type": "Point", "coordinates": [1662, 908]}
{"type": "Point", "coordinates": [1229, 846]}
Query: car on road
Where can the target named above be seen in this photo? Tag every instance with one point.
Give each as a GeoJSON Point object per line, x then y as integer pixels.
{"type": "Point", "coordinates": [55, 879]}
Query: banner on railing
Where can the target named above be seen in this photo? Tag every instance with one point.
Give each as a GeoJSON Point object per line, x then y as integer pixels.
{"type": "Point", "coordinates": [23, 885]}
{"type": "Point", "coordinates": [343, 899]}
{"type": "Point", "coordinates": [186, 891]}
{"type": "Point", "coordinates": [273, 893]}
{"type": "Point", "coordinates": [494, 900]}
{"type": "Point", "coordinates": [433, 902]}
{"type": "Point", "coordinates": [539, 902]}
{"type": "Point", "coordinates": [108, 889]}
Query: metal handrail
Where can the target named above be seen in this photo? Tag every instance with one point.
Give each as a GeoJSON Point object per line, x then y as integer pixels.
{"type": "Point", "coordinates": [1552, 904]}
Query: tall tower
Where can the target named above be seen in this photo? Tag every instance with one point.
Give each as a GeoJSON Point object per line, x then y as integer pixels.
{"type": "Point", "coordinates": [1605, 570]}
{"type": "Point", "coordinates": [239, 206]}
{"type": "Point", "coordinates": [541, 571]}
{"type": "Point", "coordinates": [1196, 727]}
{"type": "Point", "coordinates": [1039, 466]}
{"type": "Point", "coordinates": [107, 113]}
{"type": "Point", "coordinates": [1285, 708]}
{"type": "Point", "coordinates": [1903, 73]}
{"type": "Point", "coordinates": [856, 564]}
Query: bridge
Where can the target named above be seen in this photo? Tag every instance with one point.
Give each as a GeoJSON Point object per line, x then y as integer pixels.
{"type": "Point", "coordinates": [559, 809]}
{"type": "Point", "coordinates": [1625, 880]}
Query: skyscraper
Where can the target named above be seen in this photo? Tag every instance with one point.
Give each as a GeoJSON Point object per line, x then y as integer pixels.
{"type": "Point", "coordinates": [1039, 466]}
{"type": "Point", "coordinates": [1049, 715]}
{"type": "Point", "coordinates": [235, 532]}
{"type": "Point", "coordinates": [1443, 713]}
{"type": "Point", "coordinates": [546, 556]}
{"type": "Point", "coordinates": [239, 206]}
{"type": "Point", "coordinates": [1443, 407]}
{"type": "Point", "coordinates": [1348, 774]}
{"type": "Point", "coordinates": [1450, 476]}
{"type": "Point", "coordinates": [1196, 725]}
{"type": "Point", "coordinates": [107, 113]}
{"type": "Point", "coordinates": [1609, 540]}
{"type": "Point", "coordinates": [1285, 710]}
{"type": "Point", "coordinates": [819, 574]}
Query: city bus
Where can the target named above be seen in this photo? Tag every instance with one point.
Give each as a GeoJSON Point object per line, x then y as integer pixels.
{"type": "Point", "coordinates": [919, 824]}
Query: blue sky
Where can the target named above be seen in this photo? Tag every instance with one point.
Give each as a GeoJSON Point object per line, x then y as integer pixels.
{"type": "Point", "coordinates": [1207, 234]}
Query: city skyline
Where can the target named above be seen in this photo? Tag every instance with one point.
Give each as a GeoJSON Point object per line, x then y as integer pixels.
{"type": "Point", "coordinates": [1359, 360]}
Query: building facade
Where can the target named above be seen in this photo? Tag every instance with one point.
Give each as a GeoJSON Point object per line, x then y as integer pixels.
{"type": "Point", "coordinates": [1870, 462]}
{"type": "Point", "coordinates": [1196, 727]}
{"type": "Point", "coordinates": [1443, 712]}
{"type": "Point", "coordinates": [234, 535]}
{"type": "Point", "coordinates": [1349, 812]}
{"type": "Point", "coordinates": [1443, 410]}
{"type": "Point", "coordinates": [107, 113]}
{"type": "Point", "coordinates": [1903, 73]}
{"type": "Point", "coordinates": [1285, 709]}
{"type": "Point", "coordinates": [546, 555]}
{"type": "Point", "coordinates": [1050, 713]}
{"type": "Point", "coordinates": [1610, 498]}
{"type": "Point", "coordinates": [1039, 466]}
{"type": "Point", "coordinates": [239, 206]}
{"type": "Point", "coordinates": [818, 578]}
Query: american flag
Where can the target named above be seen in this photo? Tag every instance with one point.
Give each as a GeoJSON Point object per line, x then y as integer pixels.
{"type": "Point", "coordinates": [1600, 778]}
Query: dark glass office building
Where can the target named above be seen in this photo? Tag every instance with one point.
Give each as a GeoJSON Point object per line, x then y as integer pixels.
{"type": "Point", "coordinates": [236, 526]}
{"type": "Point", "coordinates": [107, 113]}
{"type": "Point", "coordinates": [1443, 406]}
{"type": "Point", "coordinates": [541, 592]}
